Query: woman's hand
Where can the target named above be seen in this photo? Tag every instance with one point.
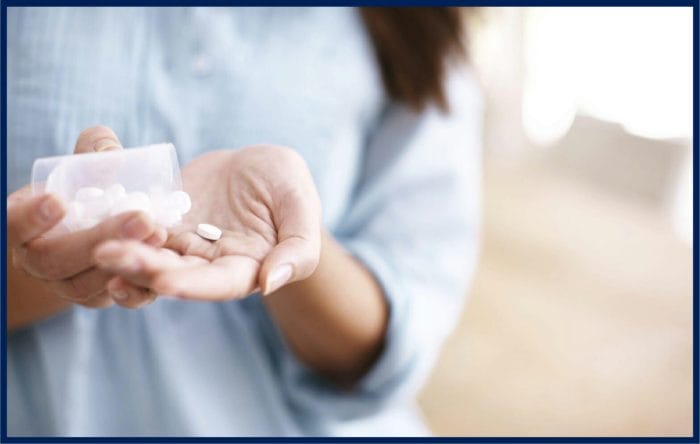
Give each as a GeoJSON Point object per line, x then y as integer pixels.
{"type": "Point", "coordinates": [263, 198]}
{"type": "Point", "coordinates": [62, 265]}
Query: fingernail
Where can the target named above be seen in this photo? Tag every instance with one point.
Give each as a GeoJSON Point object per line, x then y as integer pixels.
{"type": "Point", "coordinates": [120, 295]}
{"type": "Point", "coordinates": [277, 278]}
{"type": "Point", "coordinates": [50, 210]}
{"type": "Point", "coordinates": [136, 228]}
{"type": "Point", "coordinates": [106, 144]}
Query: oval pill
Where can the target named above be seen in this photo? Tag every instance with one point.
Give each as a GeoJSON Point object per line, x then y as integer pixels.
{"type": "Point", "coordinates": [88, 193]}
{"type": "Point", "coordinates": [136, 201]}
{"type": "Point", "coordinates": [116, 191]}
{"type": "Point", "coordinates": [209, 232]}
{"type": "Point", "coordinates": [181, 201]}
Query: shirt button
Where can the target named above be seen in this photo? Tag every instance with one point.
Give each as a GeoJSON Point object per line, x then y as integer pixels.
{"type": "Point", "coordinates": [202, 65]}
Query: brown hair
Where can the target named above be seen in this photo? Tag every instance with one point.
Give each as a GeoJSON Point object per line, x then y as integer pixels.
{"type": "Point", "coordinates": [412, 46]}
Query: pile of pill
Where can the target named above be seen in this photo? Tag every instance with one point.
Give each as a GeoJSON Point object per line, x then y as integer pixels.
{"type": "Point", "coordinates": [91, 205]}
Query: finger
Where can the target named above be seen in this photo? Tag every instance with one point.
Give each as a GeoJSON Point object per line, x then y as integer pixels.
{"type": "Point", "coordinates": [191, 244]}
{"type": "Point", "coordinates": [140, 264]}
{"type": "Point", "coordinates": [102, 300]}
{"type": "Point", "coordinates": [83, 286]}
{"type": "Point", "coordinates": [129, 296]}
{"type": "Point", "coordinates": [229, 277]}
{"type": "Point", "coordinates": [30, 217]}
{"type": "Point", "coordinates": [292, 259]}
{"type": "Point", "coordinates": [95, 139]}
{"type": "Point", "coordinates": [21, 194]}
{"type": "Point", "coordinates": [158, 238]}
{"type": "Point", "coordinates": [188, 243]}
{"type": "Point", "coordinates": [298, 248]}
{"type": "Point", "coordinates": [64, 256]}
{"type": "Point", "coordinates": [168, 273]}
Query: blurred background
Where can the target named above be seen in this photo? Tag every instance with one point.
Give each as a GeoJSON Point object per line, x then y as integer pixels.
{"type": "Point", "coordinates": [579, 318]}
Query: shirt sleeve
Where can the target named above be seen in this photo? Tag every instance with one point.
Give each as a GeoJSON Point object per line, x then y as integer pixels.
{"type": "Point", "coordinates": [414, 224]}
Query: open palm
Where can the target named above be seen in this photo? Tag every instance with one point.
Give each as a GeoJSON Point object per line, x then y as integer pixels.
{"type": "Point", "coordinates": [264, 200]}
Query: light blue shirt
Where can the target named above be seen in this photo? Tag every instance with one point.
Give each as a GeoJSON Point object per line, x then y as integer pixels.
{"type": "Point", "coordinates": [400, 190]}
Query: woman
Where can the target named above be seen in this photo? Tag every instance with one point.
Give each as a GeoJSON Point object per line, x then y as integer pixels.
{"type": "Point", "coordinates": [351, 206]}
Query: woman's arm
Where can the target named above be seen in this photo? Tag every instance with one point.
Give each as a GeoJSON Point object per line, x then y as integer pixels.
{"type": "Point", "coordinates": [264, 199]}
{"type": "Point", "coordinates": [335, 320]}
{"type": "Point", "coordinates": [28, 301]}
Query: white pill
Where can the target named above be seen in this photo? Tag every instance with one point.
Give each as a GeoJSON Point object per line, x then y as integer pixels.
{"type": "Point", "coordinates": [96, 208]}
{"type": "Point", "coordinates": [157, 193]}
{"type": "Point", "coordinates": [76, 210]}
{"type": "Point", "coordinates": [168, 217]}
{"type": "Point", "coordinates": [88, 193]}
{"type": "Point", "coordinates": [209, 232]}
{"type": "Point", "coordinates": [136, 201]}
{"type": "Point", "coordinates": [116, 191]}
{"type": "Point", "coordinates": [180, 200]}
{"type": "Point", "coordinates": [74, 215]}
{"type": "Point", "coordinates": [140, 198]}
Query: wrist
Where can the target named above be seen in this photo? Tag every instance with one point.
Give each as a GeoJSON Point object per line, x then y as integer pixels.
{"type": "Point", "coordinates": [28, 300]}
{"type": "Point", "coordinates": [335, 319]}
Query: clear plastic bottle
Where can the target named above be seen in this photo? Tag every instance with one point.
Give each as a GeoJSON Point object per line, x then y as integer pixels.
{"type": "Point", "coordinates": [98, 185]}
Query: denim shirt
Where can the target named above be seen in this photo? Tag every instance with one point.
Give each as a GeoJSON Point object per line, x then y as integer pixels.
{"type": "Point", "coordinates": [399, 189]}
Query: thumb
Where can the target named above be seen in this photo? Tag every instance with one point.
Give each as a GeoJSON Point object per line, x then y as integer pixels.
{"type": "Point", "coordinates": [298, 248]}
{"type": "Point", "coordinates": [97, 138]}
{"type": "Point", "coordinates": [293, 259]}
{"type": "Point", "coordinates": [31, 216]}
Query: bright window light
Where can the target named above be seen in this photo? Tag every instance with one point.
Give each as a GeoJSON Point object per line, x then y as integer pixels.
{"type": "Point", "coordinates": [627, 65]}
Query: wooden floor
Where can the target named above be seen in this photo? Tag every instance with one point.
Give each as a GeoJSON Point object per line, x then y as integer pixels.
{"type": "Point", "coordinates": [578, 321]}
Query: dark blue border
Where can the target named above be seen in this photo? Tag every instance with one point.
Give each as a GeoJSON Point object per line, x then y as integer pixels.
{"type": "Point", "coordinates": [351, 3]}
{"type": "Point", "coordinates": [361, 439]}
{"type": "Point", "coordinates": [358, 439]}
{"type": "Point", "coordinates": [3, 187]}
{"type": "Point", "coordinates": [3, 313]}
{"type": "Point", "coordinates": [696, 220]}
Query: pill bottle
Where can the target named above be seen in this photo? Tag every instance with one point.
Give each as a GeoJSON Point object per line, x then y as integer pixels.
{"type": "Point", "coordinates": [99, 185]}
